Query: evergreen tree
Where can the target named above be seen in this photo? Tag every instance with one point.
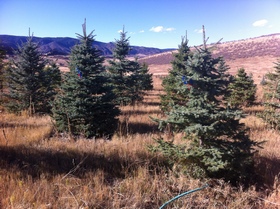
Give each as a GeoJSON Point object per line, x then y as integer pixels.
{"type": "Point", "coordinates": [25, 78]}
{"type": "Point", "coordinates": [242, 90]}
{"type": "Point", "coordinates": [138, 82]}
{"type": "Point", "coordinates": [129, 77]}
{"type": "Point", "coordinates": [179, 70]}
{"type": "Point", "coordinates": [51, 84]}
{"type": "Point", "coordinates": [218, 143]}
{"type": "Point", "coordinates": [145, 78]}
{"type": "Point", "coordinates": [271, 86]}
{"type": "Point", "coordinates": [84, 105]}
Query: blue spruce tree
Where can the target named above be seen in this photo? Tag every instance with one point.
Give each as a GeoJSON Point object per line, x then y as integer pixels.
{"type": "Point", "coordinates": [30, 84]}
{"type": "Point", "coordinates": [84, 105]}
{"type": "Point", "coordinates": [271, 113]}
{"type": "Point", "coordinates": [129, 78]}
{"type": "Point", "coordinates": [215, 143]}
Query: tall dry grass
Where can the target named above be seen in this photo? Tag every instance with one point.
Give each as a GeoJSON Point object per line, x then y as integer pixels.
{"type": "Point", "coordinates": [40, 169]}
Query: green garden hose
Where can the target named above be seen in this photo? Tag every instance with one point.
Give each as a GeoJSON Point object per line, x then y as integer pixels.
{"type": "Point", "coordinates": [183, 194]}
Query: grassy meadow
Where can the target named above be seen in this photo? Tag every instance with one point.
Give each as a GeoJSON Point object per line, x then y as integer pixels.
{"type": "Point", "coordinates": [40, 168]}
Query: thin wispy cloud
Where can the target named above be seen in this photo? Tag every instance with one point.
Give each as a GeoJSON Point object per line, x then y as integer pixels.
{"type": "Point", "coordinates": [198, 30]}
{"type": "Point", "coordinates": [159, 29]}
{"type": "Point", "coordinates": [260, 23]}
{"type": "Point", "coordinates": [131, 33]}
{"type": "Point", "coordinates": [169, 29]}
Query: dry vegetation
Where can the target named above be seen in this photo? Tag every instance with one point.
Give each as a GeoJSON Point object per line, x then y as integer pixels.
{"type": "Point", "coordinates": [41, 169]}
{"type": "Point", "coordinates": [255, 55]}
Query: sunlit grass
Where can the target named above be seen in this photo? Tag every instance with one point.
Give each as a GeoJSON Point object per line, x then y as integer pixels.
{"type": "Point", "coordinates": [40, 169]}
{"type": "Point", "coordinates": [24, 130]}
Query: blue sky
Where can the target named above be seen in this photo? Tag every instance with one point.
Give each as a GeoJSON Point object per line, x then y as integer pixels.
{"type": "Point", "coordinates": [151, 23]}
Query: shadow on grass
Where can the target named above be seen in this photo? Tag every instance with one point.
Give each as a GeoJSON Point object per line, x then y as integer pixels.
{"type": "Point", "coordinates": [19, 125]}
{"type": "Point", "coordinates": [140, 112]}
{"type": "Point", "coordinates": [268, 171]}
{"type": "Point", "coordinates": [35, 162]}
{"type": "Point", "coordinates": [30, 161]}
{"type": "Point", "coordinates": [137, 128]}
{"type": "Point", "coordinates": [151, 103]}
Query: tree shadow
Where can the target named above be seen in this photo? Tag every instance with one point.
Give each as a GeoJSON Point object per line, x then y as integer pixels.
{"type": "Point", "coordinates": [140, 112]}
{"type": "Point", "coordinates": [151, 103]}
{"type": "Point", "coordinates": [268, 172]}
{"type": "Point", "coordinates": [137, 128]}
{"type": "Point", "coordinates": [30, 161]}
{"type": "Point", "coordinates": [143, 128]}
{"type": "Point", "coordinates": [19, 125]}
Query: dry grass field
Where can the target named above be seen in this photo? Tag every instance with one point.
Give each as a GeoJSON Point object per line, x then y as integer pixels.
{"type": "Point", "coordinates": [257, 66]}
{"type": "Point", "coordinates": [42, 169]}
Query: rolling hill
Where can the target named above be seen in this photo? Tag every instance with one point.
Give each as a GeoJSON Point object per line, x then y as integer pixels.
{"type": "Point", "coordinates": [62, 46]}
{"type": "Point", "coordinates": [257, 55]}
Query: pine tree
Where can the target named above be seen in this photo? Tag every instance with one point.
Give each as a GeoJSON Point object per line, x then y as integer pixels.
{"type": "Point", "coordinates": [170, 83]}
{"type": "Point", "coordinates": [138, 81]}
{"type": "Point", "coordinates": [25, 78]}
{"type": "Point", "coordinates": [219, 145]}
{"type": "Point", "coordinates": [51, 84]}
{"type": "Point", "coordinates": [242, 91]}
{"type": "Point", "coordinates": [84, 105]}
{"type": "Point", "coordinates": [145, 80]}
{"type": "Point", "coordinates": [271, 86]}
{"type": "Point", "coordinates": [129, 77]}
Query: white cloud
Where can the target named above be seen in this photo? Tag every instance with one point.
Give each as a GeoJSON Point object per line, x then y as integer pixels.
{"type": "Point", "coordinates": [158, 29]}
{"type": "Point", "coordinates": [169, 29]}
{"type": "Point", "coordinates": [119, 31]}
{"type": "Point", "coordinates": [260, 23]}
{"type": "Point", "coordinates": [141, 31]}
{"type": "Point", "coordinates": [198, 30]}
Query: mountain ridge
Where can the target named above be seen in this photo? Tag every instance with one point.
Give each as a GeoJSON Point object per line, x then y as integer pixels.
{"type": "Point", "coordinates": [266, 45]}
{"type": "Point", "coordinates": [63, 45]}
{"type": "Point", "coordinates": [257, 55]}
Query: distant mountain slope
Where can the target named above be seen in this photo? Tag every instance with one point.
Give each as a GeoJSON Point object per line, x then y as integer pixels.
{"type": "Point", "coordinates": [62, 46]}
{"type": "Point", "coordinates": [256, 55]}
{"type": "Point", "coordinates": [268, 45]}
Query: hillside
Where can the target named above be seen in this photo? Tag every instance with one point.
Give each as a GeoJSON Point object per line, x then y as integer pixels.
{"type": "Point", "coordinates": [256, 55]}
{"type": "Point", "coordinates": [62, 46]}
